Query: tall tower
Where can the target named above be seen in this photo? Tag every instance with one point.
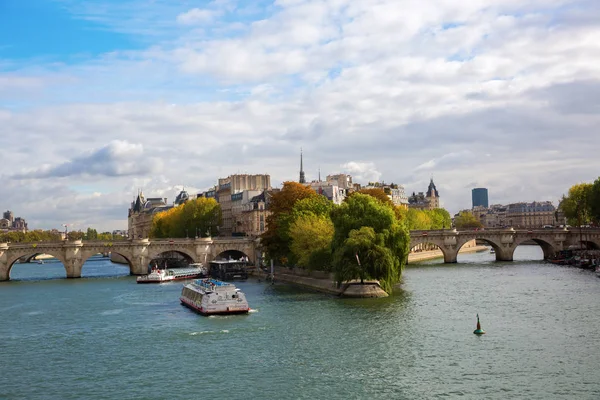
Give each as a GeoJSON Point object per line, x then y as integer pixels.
{"type": "Point", "coordinates": [302, 178]}
{"type": "Point", "coordinates": [432, 195]}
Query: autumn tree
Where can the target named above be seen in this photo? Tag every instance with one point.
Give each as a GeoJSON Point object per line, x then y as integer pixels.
{"type": "Point", "coordinates": [201, 215]}
{"type": "Point", "coordinates": [366, 229]}
{"type": "Point", "coordinates": [466, 220]}
{"type": "Point", "coordinates": [276, 240]}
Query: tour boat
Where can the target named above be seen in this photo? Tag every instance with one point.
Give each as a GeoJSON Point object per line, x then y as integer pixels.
{"type": "Point", "coordinates": [211, 296]}
{"type": "Point", "coordinates": [158, 275]}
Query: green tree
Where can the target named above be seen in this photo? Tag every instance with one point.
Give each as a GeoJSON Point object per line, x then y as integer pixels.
{"type": "Point", "coordinates": [594, 202]}
{"type": "Point", "coordinates": [91, 234]}
{"type": "Point", "coordinates": [311, 241]}
{"type": "Point", "coordinates": [368, 228]}
{"type": "Point", "coordinates": [577, 203]}
{"type": "Point", "coordinates": [466, 220]}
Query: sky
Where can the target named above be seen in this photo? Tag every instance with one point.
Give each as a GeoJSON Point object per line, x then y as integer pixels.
{"type": "Point", "coordinates": [102, 98]}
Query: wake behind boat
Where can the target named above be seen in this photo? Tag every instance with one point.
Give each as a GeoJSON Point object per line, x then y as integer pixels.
{"type": "Point", "coordinates": [211, 296]}
{"type": "Point", "coordinates": [158, 275]}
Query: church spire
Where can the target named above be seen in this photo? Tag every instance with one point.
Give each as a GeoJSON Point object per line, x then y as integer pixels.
{"type": "Point", "coordinates": [302, 178]}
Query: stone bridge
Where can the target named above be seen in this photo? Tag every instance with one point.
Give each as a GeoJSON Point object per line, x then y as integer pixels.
{"type": "Point", "coordinates": [505, 241]}
{"type": "Point", "coordinates": [137, 253]}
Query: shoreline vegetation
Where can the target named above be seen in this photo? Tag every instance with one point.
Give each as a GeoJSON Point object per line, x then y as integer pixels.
{"type": "Point", "coordinates": [325, 282]}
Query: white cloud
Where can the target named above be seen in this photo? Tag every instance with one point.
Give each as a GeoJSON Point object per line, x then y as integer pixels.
{"type": "Point", "coordinates": [503, 93]}
{"type": "Point", "coordinates": [196, 16]}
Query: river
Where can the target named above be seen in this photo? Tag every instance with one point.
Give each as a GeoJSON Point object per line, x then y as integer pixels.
{"type": "Point", "coordinates": [105, 337]}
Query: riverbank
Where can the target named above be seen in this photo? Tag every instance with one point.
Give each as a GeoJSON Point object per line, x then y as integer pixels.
{"type": "Point", "coordinates": [325, 282]}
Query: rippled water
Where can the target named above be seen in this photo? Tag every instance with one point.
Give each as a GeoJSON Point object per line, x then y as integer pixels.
{"type": "Point", "coordinates": [105, 337]}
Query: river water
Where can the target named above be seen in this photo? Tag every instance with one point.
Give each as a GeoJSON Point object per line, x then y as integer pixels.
{"type": "Point", "coordinates": [105, 337]}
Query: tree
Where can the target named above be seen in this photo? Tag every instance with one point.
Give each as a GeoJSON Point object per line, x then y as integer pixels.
{"type": "Point", "coordinates": [377, 193]}
{"type": "Point", "coordinates": [594, 202]}
{"type": "Point", "coordinates": [576, 204]}
{"type": "Point", "coordinates": [366, 229]}
{"type": "Point", "coordinates": [91, 234]}
{"type": "Point", "coordinates": [276, 240]}
{"type": "Point", "coordinates": [311, 241]}
{"type": "Point", "coordinates": [466, 220]}
{"type": "Point", "coordinates": [202, 215]}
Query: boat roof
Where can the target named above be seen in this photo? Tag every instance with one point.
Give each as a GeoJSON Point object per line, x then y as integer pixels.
{"type": "Point", "coordinates": [226, 261]}
{"type": "Point", "coordinates": [210, 282]}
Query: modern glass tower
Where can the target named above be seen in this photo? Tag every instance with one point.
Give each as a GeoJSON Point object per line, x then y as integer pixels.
{"type": "Point", "coordinates": [480, 197]}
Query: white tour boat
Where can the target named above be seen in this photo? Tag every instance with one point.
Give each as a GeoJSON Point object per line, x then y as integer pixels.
{"type": "Point", "coordinates": [158, 275]}
{"type": "Point", "coordinates": [211, 296]}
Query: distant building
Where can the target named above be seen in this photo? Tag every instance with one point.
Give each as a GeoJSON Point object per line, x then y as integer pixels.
{"type": "Point", "coordinates": [518, 215]}
{"type": "Point", "coordinates": [254, 214]}
{"type": "Point", "coordinates": [425, 201]}
{"type": "Point", "coordinates": [394, 191]}
{"type": "Point", "coordinates": [531, 215]}
{"type": "Point", "coordinates": [332, 191]}
{"type": "Point", "coordinates": [301, 178]}
{"type": "Point", "coordinates": [228, 191]}
{"type": "Point", "coordinates": [9, 223]}
{"type": "Point", "coordinates": [142, 210]}
{"type": "Point", "coordinates": [479, 197]}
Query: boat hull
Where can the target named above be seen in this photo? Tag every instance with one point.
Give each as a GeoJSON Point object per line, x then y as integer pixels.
{"type": "Point", "coordinates": [179, 278]}
{"type": "Point", "coordinates": [204, 312]}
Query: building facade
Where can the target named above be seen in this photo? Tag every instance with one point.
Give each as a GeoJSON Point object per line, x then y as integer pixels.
{"type": "Point", "coordinates": [479, 197]}
{"type": "Point", "coordinates": [142, 211]}
{"type": "Point", "coordinates": [229, 193]}
{"type": "Point", "coordinates": [425, 201]}
{"type": "Point", "coordinates": [531, 215]}
{"type": "Point", "coordinates": [393, 191]}
{"type": "Point", "coordinates": [9, 223]}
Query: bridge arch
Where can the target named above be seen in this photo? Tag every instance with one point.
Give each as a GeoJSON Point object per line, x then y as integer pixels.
{"type": "Point", "coordinates": [448, 256]}
{"type": "Point", "coordinates": [548, 248]}
{"type": "Point", "coordinates": [233, 253]}
{"type": "Point", "coordinates": [25, 253]}
{"type": "Point", "coordinates": [493, 242]}
{"type": "Point", "coordinates": [188, 255]}
{"type": "Point", "coordinates": [86, 254]}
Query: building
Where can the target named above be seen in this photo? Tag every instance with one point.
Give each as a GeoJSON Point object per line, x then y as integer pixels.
{"type": "Point", "coordinates": [333, 192]}
{"type": "Point", "coordinates": [142, 210]}
{"type": "Point", "coordinates": [531, 215]}
{"type": "Point", "coordinates": [425, 201]}
{"type": "Point", "coordinates": [227, 192]}
{"type": "Point", "coordinates": [343, 181]}
{"type": "Point", "coordinates": [9, 223]}
{"type": "Point", "coordinates": [254, 214]}
{"type": "Point", "coordinates": [394, 191]}
{"type": "Point", "coordinates": [301, 178]}
{"type": "Point", "coordinates": [479, 197]}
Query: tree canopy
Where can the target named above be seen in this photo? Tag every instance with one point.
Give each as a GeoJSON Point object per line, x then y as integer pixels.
{"type": "Point", "coordinates": [276, 240]}
{"type": "Point", "coordinates": [369, 242]}
{"type": "Point", "coordinates": [201, 215]}
{"type": "Point", "coordinates": [577, 204]}
{"type": "Point", "coordinates": [466, 220]}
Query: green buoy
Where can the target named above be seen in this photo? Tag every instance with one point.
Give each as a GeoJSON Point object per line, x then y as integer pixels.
{"type": "Point", "coordinates": [478, 331]}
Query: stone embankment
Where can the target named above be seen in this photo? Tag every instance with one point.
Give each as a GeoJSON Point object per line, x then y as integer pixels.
{"type": "Point", "coordinates": [325, 282]}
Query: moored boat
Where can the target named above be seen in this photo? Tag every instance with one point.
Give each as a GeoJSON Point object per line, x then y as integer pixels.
{"type": "Point", "coordinates": [158, 275]}
{"type": "Point", "coordinates": [211, 296]}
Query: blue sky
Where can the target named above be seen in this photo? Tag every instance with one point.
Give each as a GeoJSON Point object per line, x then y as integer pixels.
{"type": "Point", "coordinates": [101, 98]}
{"type": "Point", "coordinates": [46, 30]}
